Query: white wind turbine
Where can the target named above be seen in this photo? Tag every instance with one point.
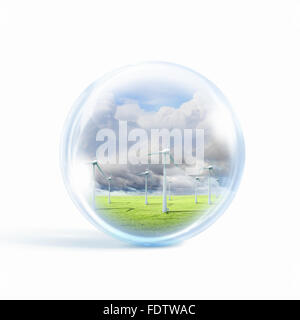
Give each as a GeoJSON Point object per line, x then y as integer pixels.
{"type": "Point", "coordinates": [145, 174]}
{"type": "Point", "coordinates": [164, 153]}
{"type": "Point", "coordinates": [197, 179]}
{"type": "Point", "coordinates": [219, 181]}
{"type": "Point", "coordinates": [210, 169]}
{"type": "Point", "coordinates": [108, 179]}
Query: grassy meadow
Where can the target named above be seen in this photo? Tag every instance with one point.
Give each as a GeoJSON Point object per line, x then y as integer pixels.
{"type": "Point", "coordinates": [131, 214]}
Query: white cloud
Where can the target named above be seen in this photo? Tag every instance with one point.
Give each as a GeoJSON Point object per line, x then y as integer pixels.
{"type": "Point", "coordinates": [129, 112]}
{"type": "Point", "coordinates": [188, 115]}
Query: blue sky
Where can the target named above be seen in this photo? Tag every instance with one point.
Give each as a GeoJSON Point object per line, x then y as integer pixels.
{"type": "Point", "coordinates": [151, 95]}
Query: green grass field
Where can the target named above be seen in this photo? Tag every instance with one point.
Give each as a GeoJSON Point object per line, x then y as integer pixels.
{"type": "Point", "coordinates": [131, 214]}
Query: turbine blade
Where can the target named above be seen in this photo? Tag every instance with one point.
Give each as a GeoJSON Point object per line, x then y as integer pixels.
{"type": "Point", "coordinates": [102, 172]}
{"type": "Point", "coordinates": [92, 162]}
{"type": "Point", "coordinates": [172, 160]}
{"type": "Point", "coordinates": [150, 154]}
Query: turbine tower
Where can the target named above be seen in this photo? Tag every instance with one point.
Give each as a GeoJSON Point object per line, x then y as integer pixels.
{"type": "Point", "coordinates": [209, 168]}
{"type": "Point", "coordinates": [197, 179]}
{"type": "Point", "coordinates": [94, 184]}
{"type": "Point", "coordinates": [164, 154]}
{"type": "Point", "coordinates": [108, 179]}
{"type": "Point", "coordinates": [218, 180]}
{"type": "Point", "coordinates": [146, 174]}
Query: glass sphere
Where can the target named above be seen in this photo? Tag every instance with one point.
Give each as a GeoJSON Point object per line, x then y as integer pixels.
{"type": "Point", "coordinates": [152, 153]}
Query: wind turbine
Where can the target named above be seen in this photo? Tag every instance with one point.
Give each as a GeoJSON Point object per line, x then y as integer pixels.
{"type": "Point", "coordinates": [146, 174]}
{"type": "Point", "coordinates": [108, 179]}
{"type": "Point", "coordinates": [220, 181]}
{"type": "Point", "coordinates": [197, 179]}
{"type": "Point", "coordinates": [218, 187]}
{"type": "Point", "coordinates": [94, 182]}
{"type": "Point", "coordinates": [164, 153]}
{"type": "Point", "coordinates": [209, 168]}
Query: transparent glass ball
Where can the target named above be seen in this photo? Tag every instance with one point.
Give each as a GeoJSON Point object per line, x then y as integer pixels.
{"type": "Point", "coordinates": [152, 153]}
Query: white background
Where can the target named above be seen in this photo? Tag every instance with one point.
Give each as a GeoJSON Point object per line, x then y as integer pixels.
{"type": "Point", "coordinates": [49, 53]}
